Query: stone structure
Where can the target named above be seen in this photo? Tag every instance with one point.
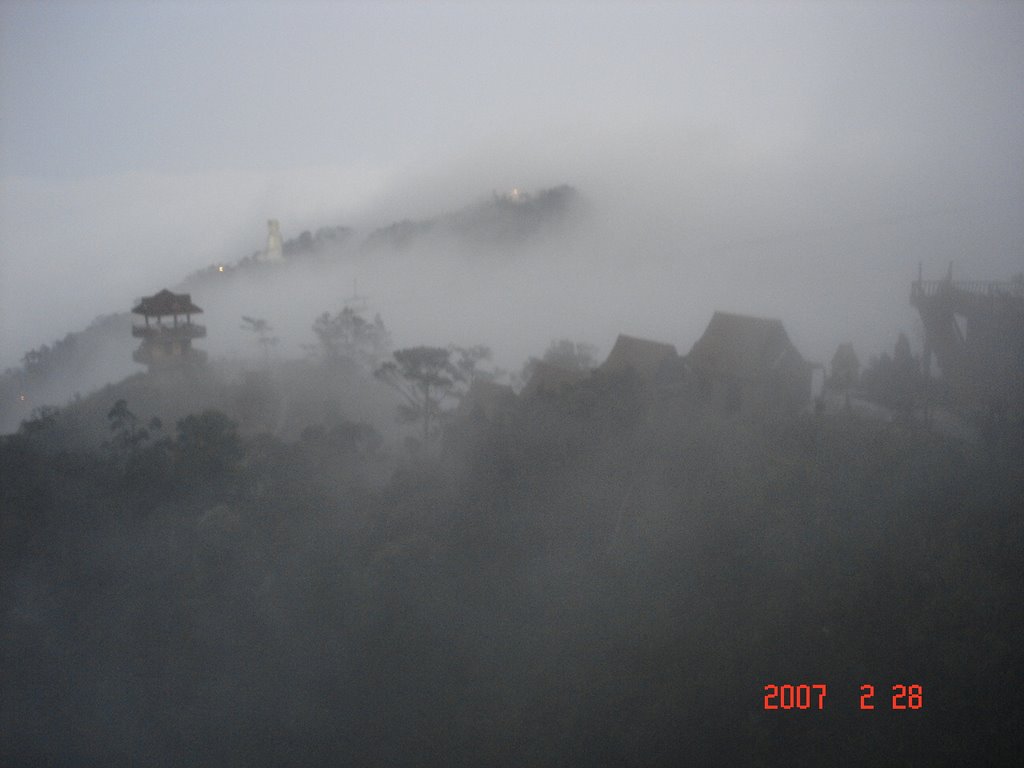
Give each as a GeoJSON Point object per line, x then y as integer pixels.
{"type": "Point", "coordinates": [275, 247]}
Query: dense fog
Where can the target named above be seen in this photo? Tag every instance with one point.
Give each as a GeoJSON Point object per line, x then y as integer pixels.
{"type": "Point", "coordinates": [631, 384]}
{"type": "Point", "coordinates": [782, 160]}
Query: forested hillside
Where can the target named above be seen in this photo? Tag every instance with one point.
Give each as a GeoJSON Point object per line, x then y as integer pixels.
{"type": "Point", "coordinates": [511, 384]}
{"type": "Point", "coordinates": [593, 580]}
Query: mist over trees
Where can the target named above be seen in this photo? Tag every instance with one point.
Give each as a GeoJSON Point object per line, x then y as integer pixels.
{"type": "Point", "coordinates": [511, 384]}
{"type": "Point", "coordinates": [564, 353]}
{"type": "Point", "coordinates": [596, 577]}
{"type": "Point", "coordinates": [346, 338]}
{"type": "Point", "coordinates": [313, 263]}
{"type": "Point", "coordinates": [367, 552]}
{"type": "Point", "coordinates": [262, 331]}
{"type": "Point", "coordinates": [606, 570]}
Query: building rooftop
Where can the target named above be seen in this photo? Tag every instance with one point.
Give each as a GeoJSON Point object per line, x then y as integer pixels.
{"type": "Point", "coordinates": [743, 346]}
{"type": "Point", "coordinates": [644, 356]}
{"type": "Point", "coordinates": [166, 303]}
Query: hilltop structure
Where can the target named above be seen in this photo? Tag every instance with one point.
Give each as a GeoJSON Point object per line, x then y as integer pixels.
{"type": "Point", "coordinates": [749, 364]}
{"type": "Point", "coordinates": [275, 247]}
{"type": "Point", "coordinates": [975, 330]}
{"type": "Point", "coordinates": [167, 344]}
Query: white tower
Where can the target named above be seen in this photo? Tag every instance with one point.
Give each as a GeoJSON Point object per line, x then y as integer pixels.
{"type": "Point", "coordinates": [273, 251]}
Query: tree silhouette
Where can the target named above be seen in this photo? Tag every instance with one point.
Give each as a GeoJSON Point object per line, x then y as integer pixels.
{"type": "Point", "coordinates": [262, 329]}
{"type": "Point", "coordinates": [565, 353]}
{"type": "Point", "coordinates": [467, 363]}
{"type": "Point", "coordinates": [906, 377]}
{"type": "Point", "coordinates": [41, 421]}
{"type": "Point", "coordinates": [895, 381]}
{"type": "Point", "coordinates": [424, 377]}
{"type": "Point", "coordinates": [129, 434]}
{"type": "Point", "coordinates": [348, 336]}
{"type": "Point", "coordinates": [207, 445]}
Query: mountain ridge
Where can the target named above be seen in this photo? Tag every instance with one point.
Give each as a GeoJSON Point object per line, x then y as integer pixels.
{"type": "Point", "coordinates": [82, 360]}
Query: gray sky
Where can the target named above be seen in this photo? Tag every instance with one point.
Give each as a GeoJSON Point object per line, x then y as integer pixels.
{"type": "Point", "coordinates": [140, 141]}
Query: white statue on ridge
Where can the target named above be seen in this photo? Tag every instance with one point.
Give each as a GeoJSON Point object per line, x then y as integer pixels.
{"type": "Point", "coordinates": [273, 250]}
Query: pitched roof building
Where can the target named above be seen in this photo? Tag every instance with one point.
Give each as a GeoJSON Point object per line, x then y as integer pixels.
{"type": "Point", "coordinates": [749, 363]}
{"type": "Point", "coordinates": [644, 357]}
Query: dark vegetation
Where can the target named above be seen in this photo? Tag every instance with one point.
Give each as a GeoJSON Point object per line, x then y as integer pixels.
{"type": "Point", "coordinates": [598, 579]}
{"type": "Point", "coordinates": [78, 357]}
{"type": "Point", "coordinates": [896, 381]}
{"type": "Point", "coordinates": [564, 353]}
{"type": "Point", "coordinates": [247, 566]}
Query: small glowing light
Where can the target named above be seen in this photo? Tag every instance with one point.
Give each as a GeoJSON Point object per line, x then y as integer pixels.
{"type": "Point", "coordinates": [220, 268]}
{"type": "Point", "coordinates": [23, 398]}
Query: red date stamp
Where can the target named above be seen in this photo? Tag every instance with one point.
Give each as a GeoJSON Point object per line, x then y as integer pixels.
{"type": "Point", "coordinates": [812, 696]}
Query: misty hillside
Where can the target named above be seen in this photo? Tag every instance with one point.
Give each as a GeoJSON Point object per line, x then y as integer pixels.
{"type": "Point", "coordinates": [511, 384]}
{"type": "Point", "coordinates": [318, 273]}
{"type": "Point", "coordinates": [497, 225]}
{"type": "Point", "coordinates": [599, 576]}
{"type": "Point", "coordinates": [378, 554]}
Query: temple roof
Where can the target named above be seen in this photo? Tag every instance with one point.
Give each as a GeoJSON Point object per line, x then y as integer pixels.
{"type": "Point", "coordinates": [644, 356]}
{"type": "Point", "coordinates": [743, 346]}
{"type": "Point", "coordinates": [166, 303]}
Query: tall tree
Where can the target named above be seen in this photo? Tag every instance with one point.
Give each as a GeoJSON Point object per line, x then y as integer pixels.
{"type": "Point", "coordinates": [129, 434]}
{"type": "Point", "coordinates": [262, 330]}
{"type": "Point", "coordinates": [468, 360]}
{"type": "Point", "coordinates": [906, 377]}
{"type": "Point", "coordinates": [348, 336]}
{"type": "Point", "coordinates": [424, 377]}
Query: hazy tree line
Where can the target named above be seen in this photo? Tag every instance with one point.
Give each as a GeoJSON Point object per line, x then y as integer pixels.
{"type": "Point", "coordinates": [596, 579]}
{"type": "Point", "coordinates": [253, 571]}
